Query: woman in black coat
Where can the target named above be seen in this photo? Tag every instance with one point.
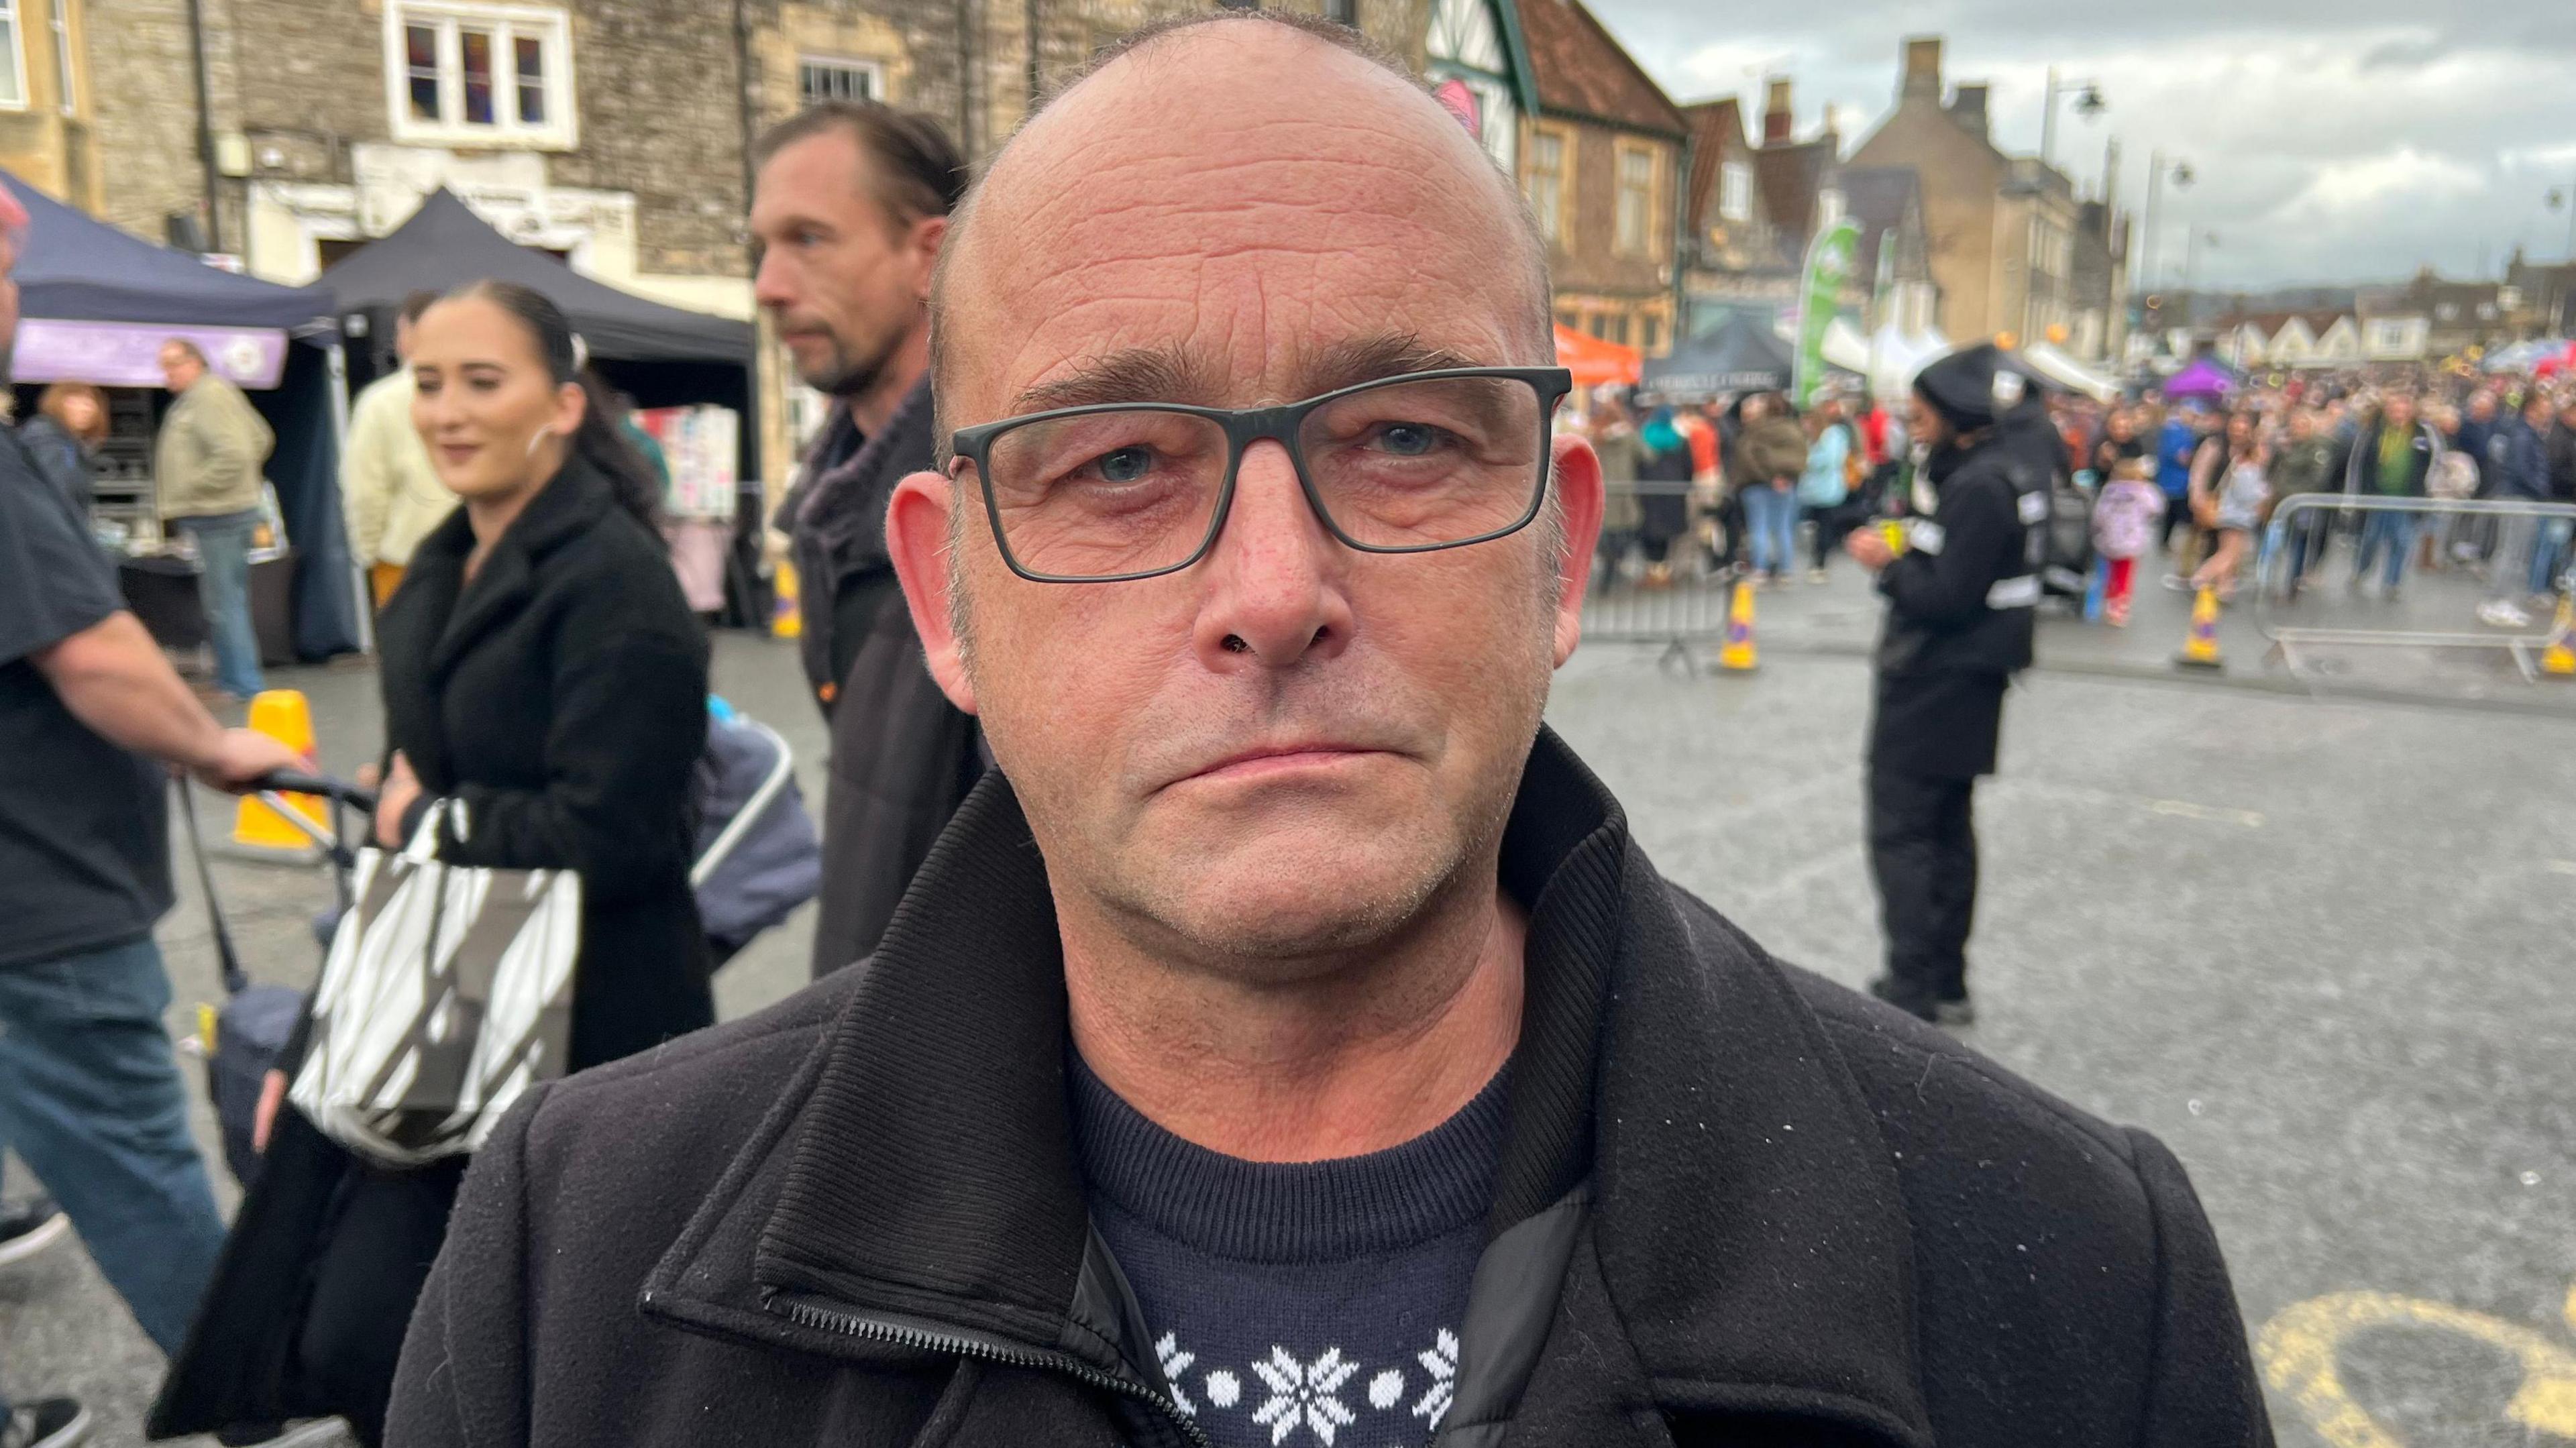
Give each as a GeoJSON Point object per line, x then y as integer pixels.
{"type": "Point", "coordinates": [541, 670]}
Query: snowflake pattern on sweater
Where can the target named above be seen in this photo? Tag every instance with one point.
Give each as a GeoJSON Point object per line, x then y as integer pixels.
{"type": "Point", "coordinates": [1331, 1398]}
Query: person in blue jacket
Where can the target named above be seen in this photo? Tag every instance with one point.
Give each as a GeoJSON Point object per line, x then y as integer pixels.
{"type": "Point", "coordinates": [2175, 448]}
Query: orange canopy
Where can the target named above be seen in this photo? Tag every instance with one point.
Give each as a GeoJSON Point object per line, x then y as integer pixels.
{"type": "Point", "coordinates": [1594, 361]}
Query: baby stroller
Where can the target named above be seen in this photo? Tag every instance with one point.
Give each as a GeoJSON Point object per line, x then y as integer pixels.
{"type": "Point", "coordinates": [757, 859]}
{"type": "Point", "coordinates": [758, 854]}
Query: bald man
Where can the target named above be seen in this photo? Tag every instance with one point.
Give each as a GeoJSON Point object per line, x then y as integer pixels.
{"type": "Point", "coordinates": [1287, 1043]}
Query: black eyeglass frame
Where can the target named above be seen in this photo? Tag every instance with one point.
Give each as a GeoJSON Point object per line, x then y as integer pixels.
{"type": "Point", "coordinates": [1248, 425]}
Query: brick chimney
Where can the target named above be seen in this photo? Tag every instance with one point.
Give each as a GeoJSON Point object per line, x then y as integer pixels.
{"type": "Point", "coordinates": [1968, 106]}
{"type": "Point", "coordinates": [1777, 118]}
{"type": "Point", "coordinates": [1922, 75]}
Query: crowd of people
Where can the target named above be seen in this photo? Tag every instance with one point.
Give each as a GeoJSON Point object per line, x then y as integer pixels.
{"type": "Point", "coordinates": [1283, 1034]}
{"type": "Point", "coordinates": [2205, 482]}
{"type": "Point", "coordinates": [1741, 478]}
{"type": "Point", "coordinates": [2200, 483]}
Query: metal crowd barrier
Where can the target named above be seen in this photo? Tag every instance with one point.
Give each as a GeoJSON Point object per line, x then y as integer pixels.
{"type": "Point", "coordinates": [1627, 601]}
{"type": "Point", "coordinates": [2289, 637]}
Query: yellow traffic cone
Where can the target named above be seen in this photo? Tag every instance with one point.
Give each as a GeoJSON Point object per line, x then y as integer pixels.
{"type": "Point", "coordinates": [1739, 655]}
{"type": "Point", "coordinates": [282, 715]}
{"type": "Point", "coordinates": [786, 620]}
{"type": "Point", "coordinates": [2560, 657]}
{"type": "Point", "coordinates": [2200, 646]}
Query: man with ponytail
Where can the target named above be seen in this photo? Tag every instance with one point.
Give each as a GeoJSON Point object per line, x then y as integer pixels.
{"type": "Point", "coordinates": [849, 213]}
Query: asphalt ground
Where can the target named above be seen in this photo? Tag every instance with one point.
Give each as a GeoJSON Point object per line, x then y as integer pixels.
{"type": "Point", "coordinates": [2320, 947]}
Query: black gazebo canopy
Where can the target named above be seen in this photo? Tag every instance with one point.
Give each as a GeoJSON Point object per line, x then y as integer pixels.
{"type": "Point", "coordinates": [445, 245]}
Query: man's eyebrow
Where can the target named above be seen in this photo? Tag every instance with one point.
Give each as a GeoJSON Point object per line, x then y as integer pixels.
{"type": "Point", "coordinates": [1136, 375]}
{"type": "Point", "coordinates": [1349, 363]}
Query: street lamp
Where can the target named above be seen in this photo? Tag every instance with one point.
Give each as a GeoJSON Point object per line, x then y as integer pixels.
{"type": "Point", "coordinates": [2088, 104]}
{"type": "Point", "coordinates": [2157, 172]}
{"type": "Point", "coordinates": [2191, 257]}
{"type": "Point", "coordinates": [2558, 201]}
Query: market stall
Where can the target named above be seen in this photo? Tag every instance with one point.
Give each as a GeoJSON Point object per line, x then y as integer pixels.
{"type": "Point", "coordinates": [2203, 379]}
{"type": "Point", "coordinates": [1741, 356]}
{"type": "Point", "coordinates": [2068, 375]}
{"type": "Point", "coordinates": [1594, 362]}
{"type": "Point", "coordinates": [95, 306]}
{"type": "Point", "coordinates": [681, 368]}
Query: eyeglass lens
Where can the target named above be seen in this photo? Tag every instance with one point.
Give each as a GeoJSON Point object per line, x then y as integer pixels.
{"type": "Point", "coordinates": [1405, 464]}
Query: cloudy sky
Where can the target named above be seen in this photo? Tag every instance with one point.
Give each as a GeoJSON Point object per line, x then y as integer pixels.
{"type": "Point", "coordinates": [2331, 140]}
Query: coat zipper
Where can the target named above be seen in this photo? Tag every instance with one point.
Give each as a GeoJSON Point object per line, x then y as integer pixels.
{"type": "Point", "coordinates": [820, 1317]}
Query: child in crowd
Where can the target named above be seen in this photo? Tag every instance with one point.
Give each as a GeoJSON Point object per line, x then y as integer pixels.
{"type": "Point", "coordinates": [2241, 495]}
{"type": "Point", "coordinates": [2125, 516]}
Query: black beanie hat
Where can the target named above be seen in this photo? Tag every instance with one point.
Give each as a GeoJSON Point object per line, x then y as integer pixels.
{"type": "Point", "coordinates": [1972, 387]}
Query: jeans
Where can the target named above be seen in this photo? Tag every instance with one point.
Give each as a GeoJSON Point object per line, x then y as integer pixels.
{"type": "Point", "coordinates": [90, 1098]}
{"type": "Point", "coordinates": [223, 587]}
{"type": "Point", "coordinates": [2393, 531]}
{"type": "Point", "coordinates": [2546, 552]}
{"type": "Point", "coordinates": [1771, 526]}
{"type": "Point", "coordinates": [2304, 535]}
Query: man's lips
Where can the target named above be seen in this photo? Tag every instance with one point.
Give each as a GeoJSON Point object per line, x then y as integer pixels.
{"type": "Point", "coordinates": [1275, 759]}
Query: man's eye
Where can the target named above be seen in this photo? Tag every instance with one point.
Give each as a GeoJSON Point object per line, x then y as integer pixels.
{"type": "Point", "coordinates": [1126, 465]}
{"type": "Point", "coordinates": [1410, 439]}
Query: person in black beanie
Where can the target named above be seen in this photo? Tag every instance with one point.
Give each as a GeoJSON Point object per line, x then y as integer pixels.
{"type": "Point", "coordinates": [1960, 597]}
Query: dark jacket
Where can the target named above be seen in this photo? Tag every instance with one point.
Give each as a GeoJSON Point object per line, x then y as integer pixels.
{"type": "Point", "coordinates": [1954, 605]}
{"type": "Point", "coordinates": [1737, 1205]}
{"type": "Point", "coordinates": [2561, 443]}
{"type": "Point", "coordinates": [2517, 462]}
{"type": "Point", "coordinates": [561, 696]}
{"type": "Point", "coordinates": [64, 460]}
{"type": "Point", "coordinates": [902, 755]}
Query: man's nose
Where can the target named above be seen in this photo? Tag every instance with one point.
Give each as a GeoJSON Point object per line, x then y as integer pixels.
{"type": "Point", "coordinates": [1277, 580]}
{"type": "Point", "coordinates": [769, 286]}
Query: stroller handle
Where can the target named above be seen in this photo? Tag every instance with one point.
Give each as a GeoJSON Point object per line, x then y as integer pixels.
{"type": "Point", "coordinates": [288, 782]}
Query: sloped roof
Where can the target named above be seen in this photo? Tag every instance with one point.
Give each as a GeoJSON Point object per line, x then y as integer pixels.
{"type": "Point", "coordinates": [74, 268]}
{"type": "Point", "coordinates": [445, 245]}
{"type": "Point", "coordinates": [1582, 70]}
{"type": "Point", "coordinates": [1790, 174]}
{"type": "Point", "coordinates": [1717, 132]}
{"type": "Point", "coordinates": [2271, 323]}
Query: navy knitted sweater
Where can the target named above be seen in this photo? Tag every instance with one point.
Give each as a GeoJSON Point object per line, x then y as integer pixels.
{"type": "Point", "coordinates": [1297, 1303]}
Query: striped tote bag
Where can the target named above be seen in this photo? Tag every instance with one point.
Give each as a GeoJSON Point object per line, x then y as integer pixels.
{"type": "Point", "coordinates": [446, 993]}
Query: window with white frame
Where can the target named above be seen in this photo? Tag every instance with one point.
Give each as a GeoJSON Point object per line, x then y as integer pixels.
{"type": "Point", "coordinates": [488, 74]}
{"type": "Point", "coordinates": [66, 89]}
{"type": "Point", "coordinates": [1633, 223]}
{"type": "Point", "coordinates": [1735, 192]}
{"type": "Point", "coordinates": [821, 79]}
{"type": "Point", "coordinates": [13, 58]}
{"type": "Point", "coordinates": [1545, 182]}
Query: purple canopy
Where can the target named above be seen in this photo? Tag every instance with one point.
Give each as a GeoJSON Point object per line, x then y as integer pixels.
{"type": "Point", "coordinates": [2202, 378]}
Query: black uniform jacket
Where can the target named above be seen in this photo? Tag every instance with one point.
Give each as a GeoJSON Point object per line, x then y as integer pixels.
{"type": "Point", "coordinates": [1737, 1205]}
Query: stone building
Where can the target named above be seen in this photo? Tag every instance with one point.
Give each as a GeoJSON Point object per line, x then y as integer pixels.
{"type": "Point", "coordinates": [2000, 230]}
{"type": "Point", "coordinates": [1601, 162]}
{"type": "Point", "coordinates": [611, 133]}
{"type": "Point", "coordinates": [48, 131]}
{"type": "Point", "coordinates": [1736, 261]}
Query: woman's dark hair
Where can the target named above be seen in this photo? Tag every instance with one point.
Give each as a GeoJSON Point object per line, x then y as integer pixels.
{"type": "Point", "coordinates": [599, 442]}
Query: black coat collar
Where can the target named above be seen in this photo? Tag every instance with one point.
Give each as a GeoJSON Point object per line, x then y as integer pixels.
{"type": "Point", "coordinates": [1747, 1216]}
{"type": "Point", "coordinates": [565, 508]}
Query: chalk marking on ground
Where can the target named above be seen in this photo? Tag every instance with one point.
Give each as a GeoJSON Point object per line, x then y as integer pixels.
{"type": "Point", "coordinates": [2300, 1349]}
{"type": "Point", "coordinates": [2250, 819]}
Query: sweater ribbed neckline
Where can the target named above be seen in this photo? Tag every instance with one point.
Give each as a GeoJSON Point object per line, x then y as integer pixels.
{"type": "Point", "coordinates": [1289, 1212]}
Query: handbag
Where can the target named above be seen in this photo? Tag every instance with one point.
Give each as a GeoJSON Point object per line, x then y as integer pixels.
{"type": "Point", "coordinates": [447, 993]}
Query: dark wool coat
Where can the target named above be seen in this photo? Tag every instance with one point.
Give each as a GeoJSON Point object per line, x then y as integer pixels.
{"type": "Point", "coordinates": [903, 757]}
{"type": "Point", "coordinates": [855, 1219]}
{"type": "Point", "coordinates": [561, 696]}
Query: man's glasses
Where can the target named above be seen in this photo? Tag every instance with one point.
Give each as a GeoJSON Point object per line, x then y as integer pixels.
{"type": "Point", "coordinates": [1114, 492]}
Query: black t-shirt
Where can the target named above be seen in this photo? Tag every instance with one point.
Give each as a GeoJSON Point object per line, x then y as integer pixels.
{"type": "Point", "coordinates": [84, 831]}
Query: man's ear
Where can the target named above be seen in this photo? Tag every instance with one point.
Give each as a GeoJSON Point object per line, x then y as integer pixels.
{"type": "Point", "coordinates": [1578, 503]}
{"type": "Point", "coordinates": [917, 535]}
